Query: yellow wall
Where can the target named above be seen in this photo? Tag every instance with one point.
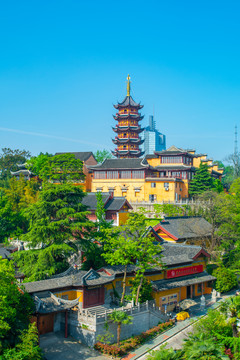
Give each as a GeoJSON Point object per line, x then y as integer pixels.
{"type": "Point", "coordinates": [123, 216]}
{"type": "Point", "coordinates": [72, 294]}
{"type": "Point", "coordinates": [118, 184]}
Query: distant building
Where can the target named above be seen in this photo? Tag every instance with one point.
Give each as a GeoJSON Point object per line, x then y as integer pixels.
{"type": "Point", "coordinates": [153, 139]}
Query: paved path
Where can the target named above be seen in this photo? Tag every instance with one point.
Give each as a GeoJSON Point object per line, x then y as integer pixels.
{"type": "Point", "coordinates": [56, 347]}
{"type": "Point", "coordinates": [177, 334]}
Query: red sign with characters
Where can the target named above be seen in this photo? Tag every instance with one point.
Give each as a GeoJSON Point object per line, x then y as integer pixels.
{"type": "Point", "coordinates": [184, 271]}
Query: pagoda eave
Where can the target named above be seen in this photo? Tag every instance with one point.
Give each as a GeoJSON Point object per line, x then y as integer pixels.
{"type": "Point", "coordinates": [128, 117]}
{"type": "Point", "coordinates": [127, 141]}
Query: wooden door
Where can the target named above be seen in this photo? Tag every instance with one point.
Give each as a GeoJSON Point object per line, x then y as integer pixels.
{"type": "Point", "coordinates": [93, 297]}
{"type": "Point", "coordinates": [45, 323]}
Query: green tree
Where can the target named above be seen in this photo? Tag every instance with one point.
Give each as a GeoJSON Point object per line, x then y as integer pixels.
{"type": "Point", "coordinates": [62, 168]}
{"type": "Point", "coordinates": [145, 292]}
{"type": "Point", "coordinates": [202, 181]}
{"type": "Point", "coordinates": [169, 210]}
{"type": "Point", "coordinates": [121, 318]}
{"type": "Point", "coordinates": [101, 155]}
{"type": "Point", "coordinates": [27, 348]}
{"type": "Point", "coordinates": [226, 279]}
{"type": "Point", "coordinates": [200, 347]}
{"type": "Point", "coordinates": [12, 223]}
{"type": "Point", "coordinates": [231, 309]}
{"type": "Point", "coordinates": [42, 263]}
{"type": "Point", "coordinates": [131, 244]}
{"type": "Point", "coordinates": [57, 217]}
{"type": "Point", "coordinates": [37, 163]}
{"type": "Point", "coordinates": [9, 159]}
{"type": "Point", "coordinates": [164, 354]}
{"type": "Point", "coordinates": [16, 307]}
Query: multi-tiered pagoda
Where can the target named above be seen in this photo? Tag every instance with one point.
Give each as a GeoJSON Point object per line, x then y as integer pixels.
{"type": "Point", "coordinates": [128, 128]}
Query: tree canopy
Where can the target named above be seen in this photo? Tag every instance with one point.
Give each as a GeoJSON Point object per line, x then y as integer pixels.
{"type": "Point", "coordinates": [16, 308]}
{"type": "Point", "coordinates": [9, 159]}
{"type": "Point", "coordinates": [101, 155]}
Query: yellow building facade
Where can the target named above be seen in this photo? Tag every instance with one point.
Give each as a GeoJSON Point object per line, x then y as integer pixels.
{"type": "Point", "coordinates": [164, 176]}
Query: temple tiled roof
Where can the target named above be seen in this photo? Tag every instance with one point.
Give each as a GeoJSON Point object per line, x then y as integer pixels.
{"type": "Point", "coordinates": [80, 278]}
{"type": "Point", "coordinates": [173, 150]}
{"type": "Point", "coordinates": [114, 164]}
{"type": "Point", "coordinates": [186, 227]}
{"type": "Point", "coordinates": [47, 302]}
{"type": "Point", "coordinates": [4, 253]}
{"type": "Point", "coordinates": [162, 285]}
{"type": "Point", "coordinates": [128, 101]}
{"type": "Point", "coordinates": [110, 203]}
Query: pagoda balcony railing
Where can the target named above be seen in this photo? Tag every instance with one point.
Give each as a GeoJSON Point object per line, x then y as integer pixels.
{"type": "Point", "coordinates": [126, 138]}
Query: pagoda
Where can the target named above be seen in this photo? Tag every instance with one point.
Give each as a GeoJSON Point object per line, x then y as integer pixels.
{"type": "Point", "coordinates": [128, 128]}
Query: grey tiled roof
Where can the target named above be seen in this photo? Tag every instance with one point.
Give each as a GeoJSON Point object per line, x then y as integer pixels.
{"type": "Point", "coordinates": [174, 254]}
{"type": "Point", "coordinates": [162, 285]}
{"type": "Point", "coordinates": [83, 156]}
{"type": "Point", "coordinates": [111, 204]}
{"type": "Point", "coordinates": [131, 164]}
{"type": "Point", "coordinates": [128, 101]}
{"type": "Point", "coordinates": [186, 227]}
{"type": "Point", "coordinates": [48, 303]}
{"type": "Point", "coordinates": [90, 200]}
{"type": "Point", "coordinates": [81, 278]}
{"type": "Point", "coordinates": [4, 253]}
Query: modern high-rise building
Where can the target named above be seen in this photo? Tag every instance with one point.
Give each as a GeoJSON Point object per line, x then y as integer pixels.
{"type": "Point", "coordinates": [153, 139]}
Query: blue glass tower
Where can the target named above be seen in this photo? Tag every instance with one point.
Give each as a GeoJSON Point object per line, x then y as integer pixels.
{"type": "Point", "coordinates": [153, 139]}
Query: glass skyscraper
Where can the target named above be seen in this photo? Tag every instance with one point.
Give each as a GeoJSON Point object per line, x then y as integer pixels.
{"type": "Point", "coordinates": [153, 139]}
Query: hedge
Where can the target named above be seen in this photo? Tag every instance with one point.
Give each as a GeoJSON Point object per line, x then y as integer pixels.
{"type": "Point", "coordinates": [133, 342]}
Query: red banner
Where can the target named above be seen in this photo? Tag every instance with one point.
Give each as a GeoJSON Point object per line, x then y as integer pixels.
{"type": "Point", "coordinates": [184, 271]}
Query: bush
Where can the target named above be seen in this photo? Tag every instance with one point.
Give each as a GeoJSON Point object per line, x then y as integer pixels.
{"type": "Point", "coordinates": [226, 279]}
{"type": "Point", "coordinates": [132, 342]}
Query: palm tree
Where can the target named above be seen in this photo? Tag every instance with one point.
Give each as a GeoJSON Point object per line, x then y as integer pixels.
{"type": "Point", "coordinates": [164, 354]}
{"type": "Point", "coordinates": [200, 347]}
{"type": "Point", "coordinates": [120, 317]}
{"type": "Point", "coordinates": [231, 309]}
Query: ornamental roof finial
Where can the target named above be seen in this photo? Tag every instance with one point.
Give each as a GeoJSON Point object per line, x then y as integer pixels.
{"type": "Point", "coordinates": [128, 85]}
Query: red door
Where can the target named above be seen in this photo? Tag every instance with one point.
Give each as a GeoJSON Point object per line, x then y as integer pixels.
{"type": "Point", "coordinates": [93, 297]}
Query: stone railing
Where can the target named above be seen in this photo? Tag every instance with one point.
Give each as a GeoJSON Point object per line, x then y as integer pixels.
{"type": "Point", "coordinates": [93, 317]}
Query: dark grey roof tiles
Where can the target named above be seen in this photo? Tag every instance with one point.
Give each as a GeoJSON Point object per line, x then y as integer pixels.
{"type": "Point", "coordinates": [111, 204]}
{"type": "Point", "coordinates": [79, 279]}
{"type": "Point", "coordinates": [131, 164]}
{"type": "Point", "coordinates": [162, 285]}
{"type": "Point", "coordinates": [48, 303]}
{"type": "Point", "coordinates": [187, 227]}
{"type": "Point", "coordinates": [4, 253]}
{"type": "Point", "coordinates": [90, 200]}
{"type": "Point", "coordinates": [128, 101]}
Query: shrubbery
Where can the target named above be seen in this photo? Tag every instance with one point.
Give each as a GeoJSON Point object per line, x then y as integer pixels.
{"type": "Point", "coordinates": [133, 342]}
{"type": "Point", "coordinates": [226, 279]}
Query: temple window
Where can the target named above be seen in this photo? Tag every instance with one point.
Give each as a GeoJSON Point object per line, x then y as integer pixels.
{"type": "Point", "coordinates": [138, 174]}
{"type": "Point", "coordinates": [125, 174]}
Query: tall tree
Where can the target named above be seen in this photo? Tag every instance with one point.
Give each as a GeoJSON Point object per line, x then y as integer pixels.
{"type": "Point", "coordinates": [101, 155]}
{"type": "Point", "coordinates": [202, 181]}
{"type": "Point", "coordinates": [131, 244]}
{"type": "Point", "coordinates": [37, 163]}
{"type": "Point", "coordinates": [16, 308]}
{"type": "Point", "coordinates": [121, 318]}
{"type": "Point", "coordinates": [58, 216]}
{"type": "Point", "coordinates": [62, 168]}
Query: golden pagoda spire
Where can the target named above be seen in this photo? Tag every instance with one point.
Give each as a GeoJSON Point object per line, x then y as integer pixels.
{"type": "Point", "coordinates": [128, 85]}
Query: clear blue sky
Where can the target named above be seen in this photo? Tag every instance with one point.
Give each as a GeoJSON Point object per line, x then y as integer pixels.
{"type": "Point", "coordinates": [64, 63]}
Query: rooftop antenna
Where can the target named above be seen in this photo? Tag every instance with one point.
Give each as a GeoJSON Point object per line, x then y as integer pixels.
{"type": "Point", "coordinates": [236, 142]}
